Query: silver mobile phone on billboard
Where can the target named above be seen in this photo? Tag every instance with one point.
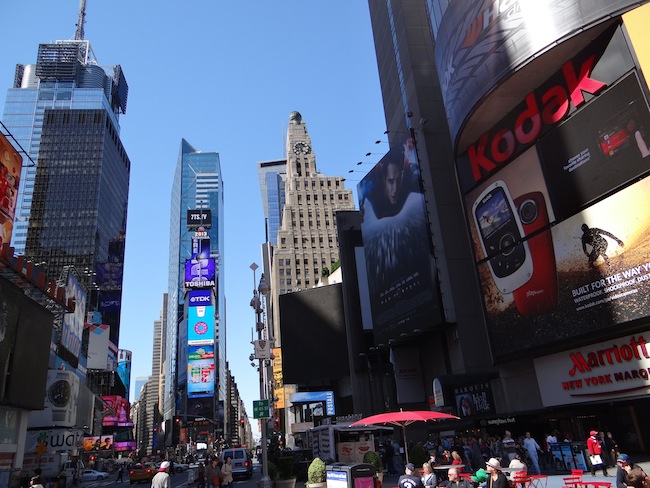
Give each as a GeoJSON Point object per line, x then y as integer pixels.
{"type": "Point", "coordinates": [500, 232]}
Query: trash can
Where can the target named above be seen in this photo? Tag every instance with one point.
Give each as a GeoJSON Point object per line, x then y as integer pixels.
{"type": "Point", "coordinates": [359, 475]}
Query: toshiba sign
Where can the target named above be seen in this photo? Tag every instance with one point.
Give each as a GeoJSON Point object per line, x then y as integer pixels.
{"type": "Point", "coordinates": [613, 369]}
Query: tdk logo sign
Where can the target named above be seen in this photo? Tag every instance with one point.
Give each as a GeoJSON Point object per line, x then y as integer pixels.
{"type": "Point", "coordinates": [199, 298]}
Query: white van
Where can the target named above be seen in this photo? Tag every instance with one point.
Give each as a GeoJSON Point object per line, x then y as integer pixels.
{"type": "Point", "coordinates": [242, 464]}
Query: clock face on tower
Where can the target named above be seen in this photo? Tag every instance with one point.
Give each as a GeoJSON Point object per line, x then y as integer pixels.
{"type": "Point", "coordinates": [301, 147]}
{"type": "Point", "coordinates": [59, 393]}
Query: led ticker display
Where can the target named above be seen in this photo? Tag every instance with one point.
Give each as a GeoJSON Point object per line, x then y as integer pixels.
{"type": "Point", "coordinates": [200, 325]}
{"type": "Point", "coordinates": [200, 371]}
{"type": "Point", "coordinates": [199, 273]}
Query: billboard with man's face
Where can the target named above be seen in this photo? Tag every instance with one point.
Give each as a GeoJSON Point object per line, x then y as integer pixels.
{"type": "Point", "coordinates": [396, 241]}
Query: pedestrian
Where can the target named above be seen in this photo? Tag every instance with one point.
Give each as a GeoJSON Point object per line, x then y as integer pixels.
{"type": "Point", "coordinates": [213, 473]}
{"type": "Point", "coordinates": [172, 471]}
{"type": "Point", "coordinates": [496, 478]}
{"type": "Point", "coordinates": [408, 479]}
{"type": "Point", "coordinates": [509, 445]}
{"type": "Point", "coordinates": [429, 479]}
{"type": "Point", "coordinates": [532, 448]}
{"type": "Point", "coordinates": [226, 472]}
{"type": "Point", "coordinates": [638, 479]}
{"type": "Point", "coordinates": [612, 448]}
{"type": "Point", "coordinates": [162, 478]}
{"type": "Point", "coordinates": [456, 481]}
{"type": "Point", "coordinates": [200, 478]}
{"type": "Point", "coordinates": [120, 473]}
{"type": "Point", "coordinates": [595, 453]}
{"type": "Point", "coordinates": [35, 482]}
{"type": "Point", "coordinates": [624, 466]}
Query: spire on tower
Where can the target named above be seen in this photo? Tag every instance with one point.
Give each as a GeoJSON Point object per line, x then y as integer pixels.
{"type": "Point", "coordinates": [79, 34]}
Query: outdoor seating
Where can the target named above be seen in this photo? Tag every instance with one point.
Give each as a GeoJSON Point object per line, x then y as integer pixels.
{"type": "Point", "coordinates": [538, 480]}
{"type": "Point", "coordinates": [572, 482]}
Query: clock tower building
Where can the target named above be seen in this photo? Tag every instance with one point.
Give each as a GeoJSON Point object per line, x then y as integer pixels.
{"type": "Point", "coordinates": [307, 244]}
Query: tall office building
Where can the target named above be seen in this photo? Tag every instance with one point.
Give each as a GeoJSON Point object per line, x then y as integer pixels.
{"type": "Point", "coordinates": [307, 240]}
{"type": "Point", "coordinates": [198, 188]}
{"type": "Point", "coordinates": [72, 204]}
{"type": "Point", "coordinates": [272, 176]}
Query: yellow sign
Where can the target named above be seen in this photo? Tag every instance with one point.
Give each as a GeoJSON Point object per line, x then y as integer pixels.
{"type": "Point", "coordinates": [278, 382]}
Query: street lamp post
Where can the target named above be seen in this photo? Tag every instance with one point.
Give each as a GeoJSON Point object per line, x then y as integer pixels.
{"type": "Point", "coordinates": [256, 303]}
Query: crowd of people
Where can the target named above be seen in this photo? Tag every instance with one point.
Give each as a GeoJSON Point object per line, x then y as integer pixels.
{"type": "Point", "coordinates": [486, 462]}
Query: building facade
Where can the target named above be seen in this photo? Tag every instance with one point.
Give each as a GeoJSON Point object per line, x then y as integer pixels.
{"type": "Point", "coordinates": [516, 131]}
{"type": "Point", "coordinates": [307, 241]}
{"type": "Point", "coordinates": [198, 186]}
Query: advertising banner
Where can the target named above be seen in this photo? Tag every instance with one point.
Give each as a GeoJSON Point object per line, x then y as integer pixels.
{"type": "Point", "coordinates": [200, 325]}
{"type": "Point", "coordinates": [116, 411]}
{"type": "Point", "coordinates": [479, 43]}
{"type": "Point", "coordinates": [559, 229]}
{"type": "Point", "coordinates": [61, 401]}
{"type": "Point", "coordinates": [199, 298]}
{"type": "Point", "coordinates": [98, 443]}
{"type": "Point", "coordinates": [10, 167]}
{"type": "Point", "coordinates": [473, 399]}
{"type": "Point", "coordinates": [53, 439]}
{"type": "Point", "coordinates": [278, 381]}
{"type": "Point", "coordinates": [200, 244]}
{"type": "Point", "coordinates": [403, 291]}
{"type": "Point", "coordinates": [200, 371]}
{"type": "Point", "coordinates": [199, 273]}
{"type": "Point", "coordinates": [613, 369]}
{"type": "Point", "coordinates": [124, 368]}
{"type": "Point", "coordinates": [199, 217]}
{"type": "Point", "coordinates": [73, 323]}
{"type": "Point", "coordinates": [98, 346]}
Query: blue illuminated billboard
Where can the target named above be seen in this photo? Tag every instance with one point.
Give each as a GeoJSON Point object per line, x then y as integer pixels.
{"type": "Point", "coordinates": [200, 325]}
{"type": "Point", "coordinates": [200, 371]}
{"type": "Point", "coordinates": [199, 273]}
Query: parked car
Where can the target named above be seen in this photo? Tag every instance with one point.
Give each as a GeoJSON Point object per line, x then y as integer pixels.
{"type": "Point", "coordinates": [180, 467]}
{"type": "Point", "coordinates": [142, 472]}
{"type": "Point", "coordinates": [242, 464]}
{"type": "Point", "coordinates": [93, 475]}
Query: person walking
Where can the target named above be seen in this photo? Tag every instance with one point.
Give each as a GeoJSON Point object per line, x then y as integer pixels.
{"type": "Point", "coordinates": [162, 478]}
{"type": "Point", "coordinates": [595, 453]}
{"type": "Point", "coordinates": [509, 445]}
{"type": "Point", "coordinates": [213, 473]}
{"type": "Point", "coordinates": [120, 473]}
{"type": "Point", "coordinates": [532, 448]}
{"type": "Point", "coordinates": [226, 472]}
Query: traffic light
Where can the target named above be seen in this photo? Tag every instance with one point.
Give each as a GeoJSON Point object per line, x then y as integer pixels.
{"type": "Point", "coordinates": [276, 424]}
{"type": "Point", "coordinates": [242, 422]}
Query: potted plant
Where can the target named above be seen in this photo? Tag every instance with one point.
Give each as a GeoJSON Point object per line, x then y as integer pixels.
{"type": "Point", "coordinates": [286, 473]}
{"type": "Point", "coordinates": [316, 474]}
{"type": "Point", "coordinates": [371, 457]}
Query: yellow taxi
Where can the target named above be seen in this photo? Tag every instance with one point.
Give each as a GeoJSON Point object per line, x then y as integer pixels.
{"type": "Point", "coordinates": [142, 472]}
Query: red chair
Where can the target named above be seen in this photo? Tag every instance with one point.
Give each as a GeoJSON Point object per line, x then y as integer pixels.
{"type": "Point", "coordinates": [538, 480]}
{"type": "Point", "coordinates": [520, 479]}
{"type": "Point", "coordinates": [577, 472]}
{"type": "Point", "coordinates": [573, 482]}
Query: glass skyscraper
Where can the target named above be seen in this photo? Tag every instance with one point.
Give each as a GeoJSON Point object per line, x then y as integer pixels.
{"type": "Point", "coordinates": [272, 175]}
{"type": "Point", "coordinates": [197, 185]}
{"type": "Point", "coordinates": [72, 203]}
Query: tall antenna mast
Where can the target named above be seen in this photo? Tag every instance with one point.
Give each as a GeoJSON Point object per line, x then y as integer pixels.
{"type": "Point", "coordinates": [79, 35]}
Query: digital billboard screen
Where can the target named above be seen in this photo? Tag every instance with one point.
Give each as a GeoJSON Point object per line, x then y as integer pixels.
{"type": "Point", "coordinates": [560, 231]}
{"type": "Point", "coordinates": [402, 286]}
{"type": "Point", "coordinates": [116, 411]}
{"type": "Point", "coordinates": [73, 323]}
{"type": "Point", "coordinates": [200, 371]}
{"type": "Point", "coordinates": [10, 167]}
{"type": "Point", "coordinates": [200, 325]}
{"type": "Point", "coordinates": [199, 273]}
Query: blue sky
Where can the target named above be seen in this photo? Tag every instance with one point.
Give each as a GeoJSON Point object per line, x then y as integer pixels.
{"type": "Point", "coordinates": [224, 75]}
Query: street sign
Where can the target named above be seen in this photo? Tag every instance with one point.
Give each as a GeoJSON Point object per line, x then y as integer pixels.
{"type": "Point", "coordinates": [260, 409]}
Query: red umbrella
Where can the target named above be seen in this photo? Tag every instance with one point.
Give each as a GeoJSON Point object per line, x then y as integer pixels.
{"type": "Point", "coordinates": [402, 419]}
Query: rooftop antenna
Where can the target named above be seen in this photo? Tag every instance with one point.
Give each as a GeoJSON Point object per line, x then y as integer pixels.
{"type": "Point", "coordinates": [79, 34]}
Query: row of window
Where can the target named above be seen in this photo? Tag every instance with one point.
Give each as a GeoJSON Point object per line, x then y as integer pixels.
{"type": "Point", "coordinates": [341, 197]}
